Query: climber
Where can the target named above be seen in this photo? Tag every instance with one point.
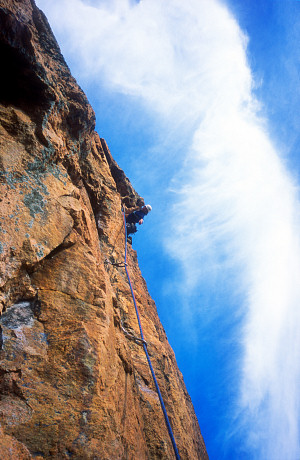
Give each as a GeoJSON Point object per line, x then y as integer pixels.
{"type": "Point", "coordinates": [136, 217]}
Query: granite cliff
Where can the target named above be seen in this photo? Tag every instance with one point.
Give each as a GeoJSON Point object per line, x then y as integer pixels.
{"type": "Point", "coordinates": [72, 382]}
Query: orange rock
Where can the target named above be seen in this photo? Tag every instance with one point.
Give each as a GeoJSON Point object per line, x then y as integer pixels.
{"type": "Point", "coordinates": [72, 382]}
{"type": "Point", "coordinates": [10, 448]}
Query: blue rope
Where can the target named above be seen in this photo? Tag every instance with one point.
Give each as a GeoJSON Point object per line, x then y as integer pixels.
{"type": "Point", "coordinates": [146, 351]}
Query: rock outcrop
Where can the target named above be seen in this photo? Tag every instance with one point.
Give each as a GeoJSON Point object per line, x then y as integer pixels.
{"type": "Point", "coordinates": [72, 383]}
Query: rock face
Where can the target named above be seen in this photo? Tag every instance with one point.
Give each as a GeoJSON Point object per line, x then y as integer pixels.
{"type": "Point", "coordinates": [72, 383]}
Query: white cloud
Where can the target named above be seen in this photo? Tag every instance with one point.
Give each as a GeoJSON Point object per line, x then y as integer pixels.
{"type": "Point", "coordinates": [187, 62]}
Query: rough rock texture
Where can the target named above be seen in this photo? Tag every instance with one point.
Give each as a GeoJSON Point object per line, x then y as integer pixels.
{"type": "Point", "coordinates": [72, 383]}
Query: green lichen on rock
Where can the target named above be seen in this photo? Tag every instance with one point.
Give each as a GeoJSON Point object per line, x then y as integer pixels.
{"type": "Point", "coordinates": [44, 165]}
{"type": "Point", "coordinates": [35, 202]}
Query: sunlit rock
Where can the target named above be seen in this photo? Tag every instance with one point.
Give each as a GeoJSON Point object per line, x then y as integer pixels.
{"type": "Point", "coordinates": [72, 383]}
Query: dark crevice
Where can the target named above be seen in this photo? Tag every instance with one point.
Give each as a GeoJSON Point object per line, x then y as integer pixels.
{"type": "Point", "coordinates": [15, 371]}
{"type": "Point", "coordinates": [1, 338]}
{"type": "Point", "coordinates": [28, 267]}
{"type": "Point", "coordinates": [22, 82]}
{"type": "Point", "coordinates": [19, 84]}
{"type": "Point", "coordinates": [64, 245]}
{"type": "Point", "coordinates": [36, 306]}
{"type": "Point", "coordinates": [31, 267]}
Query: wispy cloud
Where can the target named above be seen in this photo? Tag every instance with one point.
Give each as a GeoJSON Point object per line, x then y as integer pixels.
{"type": "Point", "coordinates": [186, 61]}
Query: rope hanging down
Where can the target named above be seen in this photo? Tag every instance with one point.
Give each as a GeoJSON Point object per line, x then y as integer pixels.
{"type": "Point", "coordinates": [146, 351]}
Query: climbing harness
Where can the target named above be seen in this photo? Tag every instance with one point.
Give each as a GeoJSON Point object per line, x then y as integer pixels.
{"type": "Point", "coordinates": [144, 344]}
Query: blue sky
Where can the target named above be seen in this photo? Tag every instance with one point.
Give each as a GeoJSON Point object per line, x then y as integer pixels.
{"type": "Point", "coordinates": [198, 101]}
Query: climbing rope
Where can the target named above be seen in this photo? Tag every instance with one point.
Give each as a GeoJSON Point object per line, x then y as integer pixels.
{"type": "Point", "coordinates": [144, 343]}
